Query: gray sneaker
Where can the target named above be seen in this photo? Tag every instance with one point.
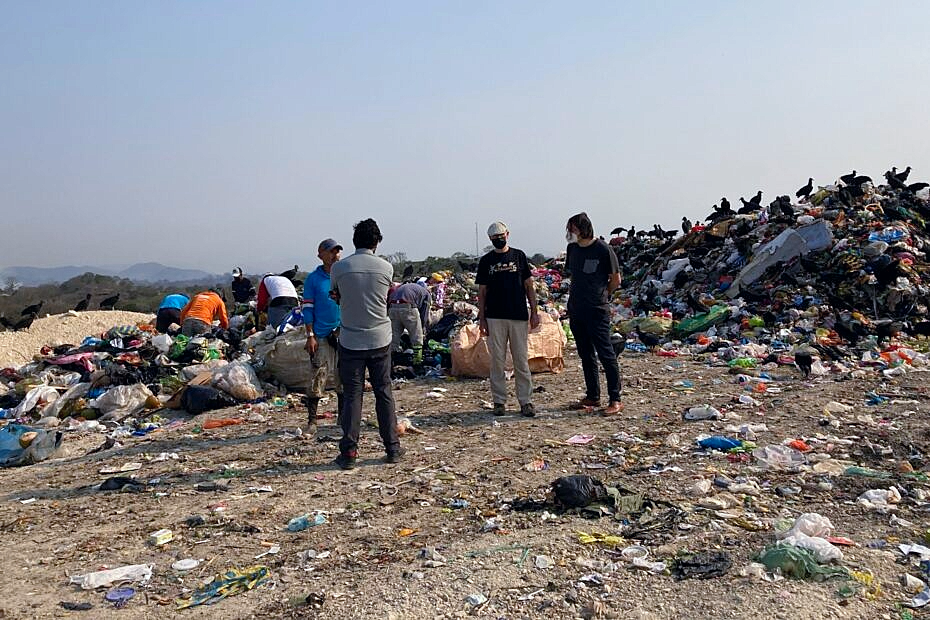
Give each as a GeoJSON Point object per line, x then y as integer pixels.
{"type": "Point", "coordinates": [527, 410]}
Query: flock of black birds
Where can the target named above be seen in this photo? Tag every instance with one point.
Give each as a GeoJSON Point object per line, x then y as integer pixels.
{"type": "Point", "coordinates": [849, 187]}
{"type": "Point", "coordinates": [30, 313]}
{"type": "Point", "coordinates": [850, 326]}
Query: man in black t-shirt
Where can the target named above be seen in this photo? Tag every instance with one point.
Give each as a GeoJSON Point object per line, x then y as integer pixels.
{"type": "Point", "coordinates": [505, 285]}
{"type": "Point", "coordinates": [595, 274]}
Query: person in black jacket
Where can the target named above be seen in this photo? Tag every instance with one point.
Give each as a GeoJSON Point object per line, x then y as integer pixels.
{"type": "Point", "coordinates": [595, 275]}
{"type": "Point", "coordinates": [242, 289]}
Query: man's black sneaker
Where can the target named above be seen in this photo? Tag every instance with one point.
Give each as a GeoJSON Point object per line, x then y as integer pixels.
{"type": "Point", "coordinates": [527, 410]}
{"type": "Point", "coordinates": [499, 409]}
{"type": "Point", "coordinates": [396, 456]}
{"type": "Point", "coordinates": [346, 461]}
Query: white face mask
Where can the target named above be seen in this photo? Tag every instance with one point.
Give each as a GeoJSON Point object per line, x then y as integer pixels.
{"type": "Point", "coordinates": [571, 237]}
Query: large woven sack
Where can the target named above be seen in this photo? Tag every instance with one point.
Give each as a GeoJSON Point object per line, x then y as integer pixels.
{"type": "Point", "coordinates": [545, 349]}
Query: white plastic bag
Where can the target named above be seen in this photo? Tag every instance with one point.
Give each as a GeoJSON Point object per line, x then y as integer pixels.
{"type": "Point", "coordinates": [162, 342]}
{"type": "Point", "coordinates": [36, 396]}
{"type": "Point", "coordinates": [238, 380]}
{"type": "Point", "coordinates": [122, 400]}
{"type": "Point", "coordinates": [134, 573]}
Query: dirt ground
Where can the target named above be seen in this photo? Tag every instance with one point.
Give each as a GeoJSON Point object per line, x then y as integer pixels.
{"type": "Point", "coordinates": [366, 560]}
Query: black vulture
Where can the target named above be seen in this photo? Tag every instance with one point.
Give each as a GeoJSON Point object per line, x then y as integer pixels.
{"type": "Point", "coordinates": [894, 182]}
{"type": "Point", "coordinates": [805, 361]}
{"type": "Point", "coordinates": [617, 230]}
{"type": "Point", "coordinates": [757, 199]}
{"type": "Point", "coordinates": [408, 271]}
{"type": "Point", "coordinates": [650, 340]}
{"type": "Point", "coordinates": [290, 274]}
{"type": "Point", "coordinates": [5, 322]}
{"type": "Point", "coordinates": [109, 303]}
{"type": "Point", "coordinates": [24, 323]}
{"type": "Point", "coordinates": [33, 309]}
{"type": "Point", "coordinates": [725, 205]}
{"type": "Point", "coordinates": [805, 191]}
{"type": "Point", "coordinates": [82, 305]}
{"type": "Point", "coordinates": [848, 178]}
{"type": "Point", "coordinates": [685, 225]}
{"type": "Point", "coordinates": [916, 187]}
{"type": "Point", "coordinates": [902, 176]}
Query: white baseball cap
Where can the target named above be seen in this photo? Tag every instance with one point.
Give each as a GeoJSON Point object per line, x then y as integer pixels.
{"type": "Point", "coordinates": [497, 228]}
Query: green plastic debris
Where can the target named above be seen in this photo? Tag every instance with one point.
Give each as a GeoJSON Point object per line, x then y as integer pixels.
{"type": "Point", "coordinates": [701, 322]}
{"type": "Point", "coordinates": [865, 472]}
{"type": "Point", "coordinates": [798, 563]}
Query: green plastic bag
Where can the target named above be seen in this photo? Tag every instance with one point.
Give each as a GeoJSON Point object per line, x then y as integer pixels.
{"type": "Point", "coordinates": [701, 322]}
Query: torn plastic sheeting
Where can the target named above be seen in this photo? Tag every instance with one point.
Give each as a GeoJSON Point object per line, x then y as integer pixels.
{"type": "Point", "coordinates": [74, 392]}
{"type": "Point", "coordinates": [134, 572]}
{"type": "Point", "coordinates": [123, 400]}
{"type": "Point", "coordinates": [35, 396]}
{"type": "Point", "coordinates": [790, 243]}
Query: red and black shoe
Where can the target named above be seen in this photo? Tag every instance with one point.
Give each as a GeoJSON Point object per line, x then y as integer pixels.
{"type": "Point", "coordinates": [346, 460]}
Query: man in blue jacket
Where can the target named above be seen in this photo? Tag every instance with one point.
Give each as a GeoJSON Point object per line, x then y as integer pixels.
{"type": "Point", "coordinates": [321, 320]}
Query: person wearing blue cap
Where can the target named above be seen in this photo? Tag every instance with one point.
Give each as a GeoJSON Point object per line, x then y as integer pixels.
{"type": "Point", "coordinates": [321, 321]}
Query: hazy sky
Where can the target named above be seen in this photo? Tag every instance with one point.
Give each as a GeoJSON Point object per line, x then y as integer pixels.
{"type": "Point", "coordinates": [213, 134]}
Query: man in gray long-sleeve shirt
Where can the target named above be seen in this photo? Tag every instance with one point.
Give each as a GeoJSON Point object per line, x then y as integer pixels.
{"type": "Point", "coordinates": [408, 308]}
{"type": "Point", "coordinates": [360, 285]}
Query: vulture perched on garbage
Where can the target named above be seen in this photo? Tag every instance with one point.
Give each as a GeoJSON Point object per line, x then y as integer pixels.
{"type": "Point", "coordinates": [757, 199]}
{"type": "Point", "coordinates": [685, 225]}
{"type": "Point", "coordinates": [901, 176]}
{"type": "Point", "coordinates": [5, 322]}
{"type": "Point", "coordinates": [617, 230]}
{"type": "Point", "coordinates": [290, 274]}
{"type": "Point", "coordinates": [408, 271]}
{"type": "Point", "coordinates": [848, 178]}
{"type": "Point", "coordinates": [748, 207]}
{"type": "Point", "coordinates": [805, 191]}
{"type": "Point", "coordinates": [82, 305]}
{"type": "Point", "coordinates": [916, 187]}
{"type": "Point", "coordinates": [33, 309]}
{"type": "Point", "coordinates": [109, 303]}
{"type": "Point", "coordinates": [894, 182]}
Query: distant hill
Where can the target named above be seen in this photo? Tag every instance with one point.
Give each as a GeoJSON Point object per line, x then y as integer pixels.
{"type": "Point", "coordinates": [140, 272]}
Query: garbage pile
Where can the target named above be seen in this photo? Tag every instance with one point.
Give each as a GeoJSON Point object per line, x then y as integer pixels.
{"type": "Point", "coordinates": [845, 266]}
{"type": "Point", "coordinates": [120, 382]}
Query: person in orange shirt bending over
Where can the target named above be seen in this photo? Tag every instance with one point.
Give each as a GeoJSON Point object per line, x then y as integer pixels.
{"type": "Point", "coordinates": [198, 315]}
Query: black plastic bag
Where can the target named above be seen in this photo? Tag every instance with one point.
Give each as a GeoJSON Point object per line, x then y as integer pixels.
{"type": "Point", "coordinates": [199, 398]}
{"type": "Point", "coordinates": [578, 491]}
{"type": "Point", "coordinates": [705, 565]}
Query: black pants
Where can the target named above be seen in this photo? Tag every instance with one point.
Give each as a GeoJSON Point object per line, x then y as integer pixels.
{"type": "Point", "coordinates": [591, 328]}
{"type": "Point", "coordinates": [352, 365]}
{"type": "Point", "coordinates": [165, 317]}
